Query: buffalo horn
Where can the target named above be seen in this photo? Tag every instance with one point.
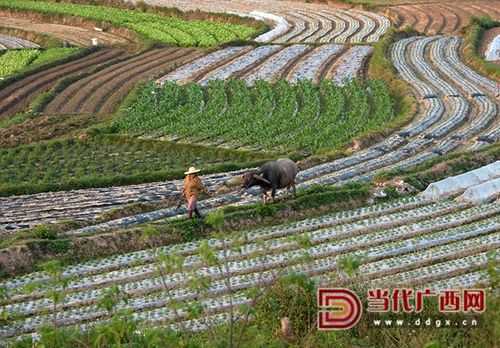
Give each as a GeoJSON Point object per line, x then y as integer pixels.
{"type": "Point", "coordinates": [258, 177]}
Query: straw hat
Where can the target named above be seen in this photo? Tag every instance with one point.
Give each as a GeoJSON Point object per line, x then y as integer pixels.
{"type": "Point", "coordinates": [192, 170]}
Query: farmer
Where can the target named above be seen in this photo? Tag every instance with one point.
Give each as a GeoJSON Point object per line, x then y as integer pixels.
{"type": "Point", "coordinates": [192, 188]}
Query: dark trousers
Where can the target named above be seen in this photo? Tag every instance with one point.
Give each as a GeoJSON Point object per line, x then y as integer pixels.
{"type": "Point", "coordinates": [196, 212]}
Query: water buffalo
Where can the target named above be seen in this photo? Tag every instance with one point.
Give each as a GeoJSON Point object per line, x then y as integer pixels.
{"type": "Point", "coordinates": [272, 175]}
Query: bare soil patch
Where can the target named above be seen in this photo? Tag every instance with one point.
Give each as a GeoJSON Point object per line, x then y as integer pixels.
{"type": "Point", "coordinates": [432, 18]}
{"type": "Point", "coordinates": [46, 127]}
{"type": "Point", "coordinates": [75, 35]}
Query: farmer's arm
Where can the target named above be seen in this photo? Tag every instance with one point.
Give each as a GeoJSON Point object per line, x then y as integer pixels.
{"type": "Point", "coordinates": [185, 189]}
{"type": "Point", "coordinates": [198, 185]}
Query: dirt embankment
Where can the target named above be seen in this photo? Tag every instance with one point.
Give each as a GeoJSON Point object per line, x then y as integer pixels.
{"type": "Point", "coordinates": [73, 30]}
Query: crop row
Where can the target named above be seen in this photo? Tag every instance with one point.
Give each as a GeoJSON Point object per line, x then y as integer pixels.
{"type": "Point", "coordinates": [398, 151]}
{"type": "Point", "coordinates": [271, 68]}
{"type": "Point", "coordinates": [275, 117]}
{"type": "Point", "coordinates": [15, 60]}
{"type": "Point", "coordinates": [100, 160]}
{"type": "Point", "coordinates": [72, 34]}
{"type": "Point", "coordinates": [102, 91]}
{"type": "Point", "coordinates": [304, 25]}
{"type": "Point", "coordinates": [122, 261]}
{"type": "Point", "coordinates": [298, 22]}
{"type": "Point", "coordinates": [272, 62]}
{"type": "Point", "coordinates": [428, 243]}
{"type": "Point", "coordinates": [350, 64]}
{"type": "Point", "coordinates": [441, 18]}
{"type": "Point", "coordinates": [170, 30]}
{"type": "Point", "coordinates": [308, 68]}
{"type": "Point", "coordinates": [438, 119]}
{"type": "Point", "coordinates": [201, 64]}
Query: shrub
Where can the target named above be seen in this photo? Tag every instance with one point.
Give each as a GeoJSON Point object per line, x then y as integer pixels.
{"type": "Point", "coordinates": [294, 297]}
{"type": "Point", "coordinates": [44, 232]}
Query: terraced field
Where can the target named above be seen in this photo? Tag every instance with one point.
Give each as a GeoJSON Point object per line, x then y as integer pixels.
{"type": "Point", "coordinates": [74, 35]}
{"type": "Point", "coordinates": [457, 110]}
{"type": "Point", "coordinates": [294, 22]}
{"type": "Point", "coordinates": [102, 91]}
{"type": "Point", "coordinates": [326, 26]}
{"type": "Point", "coordinates": [172, 30]}
{"type": "Point", "coordinates": [16, 96]}
{"type": "Point", "coordinates": [441, 18]}
{"type": "Point", "coordinates": [14, 61]}
{"type": "Point", "coordinates": [407, 242]}
{"type": "Point", "coordinates": [275, 62]}
{"type": "Point", "coordinates": [267, 117]}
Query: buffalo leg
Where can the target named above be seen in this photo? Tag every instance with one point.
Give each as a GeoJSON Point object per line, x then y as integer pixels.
{"type": "Point", "coordinates": [264, 197]}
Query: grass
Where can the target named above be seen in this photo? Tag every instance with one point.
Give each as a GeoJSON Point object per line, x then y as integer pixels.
{"type": "Point", "coordinates": [153, 26]}
{"type": "Point", "coordinates": [473, 38]}
{"type": "Point", "coordinates": [381, 67]}
{"type": "Point", "coordinates": [14, 61]}
{"type": "Point", "coordinates": [280, 117]}
{"type": "Point", "coordinates": [105, 161]}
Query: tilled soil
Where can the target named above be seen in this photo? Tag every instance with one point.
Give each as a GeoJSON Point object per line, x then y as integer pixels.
{"type": "Point", "coordinates": [102, 91]}
{"type": "Point", "coordinates": [442, 17]}
{"type": "Point", "coordinates": [16, 96]}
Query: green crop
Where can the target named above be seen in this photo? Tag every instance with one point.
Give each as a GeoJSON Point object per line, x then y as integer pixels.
{"type": "Point", "coordinates": [277, 117]}
{"type": "Point", "coordinates": [52, 54]}
{"type": "Point", "coordinates": [108, 160]}
{"type": "Point", "coordinates": [13, 61]}
{"type": "Point", "coordinates": [170, 30]}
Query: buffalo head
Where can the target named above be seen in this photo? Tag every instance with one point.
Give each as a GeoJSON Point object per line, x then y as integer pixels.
{"type": "Point", "coordinates": [252, 179]}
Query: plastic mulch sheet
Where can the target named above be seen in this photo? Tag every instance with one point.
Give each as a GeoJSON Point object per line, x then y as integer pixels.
{"type": "Point", "coordinates": [459, 183]}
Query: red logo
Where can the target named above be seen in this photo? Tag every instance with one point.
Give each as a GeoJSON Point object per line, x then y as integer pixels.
{"type": "Point", "coordinates": [339, 309]}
